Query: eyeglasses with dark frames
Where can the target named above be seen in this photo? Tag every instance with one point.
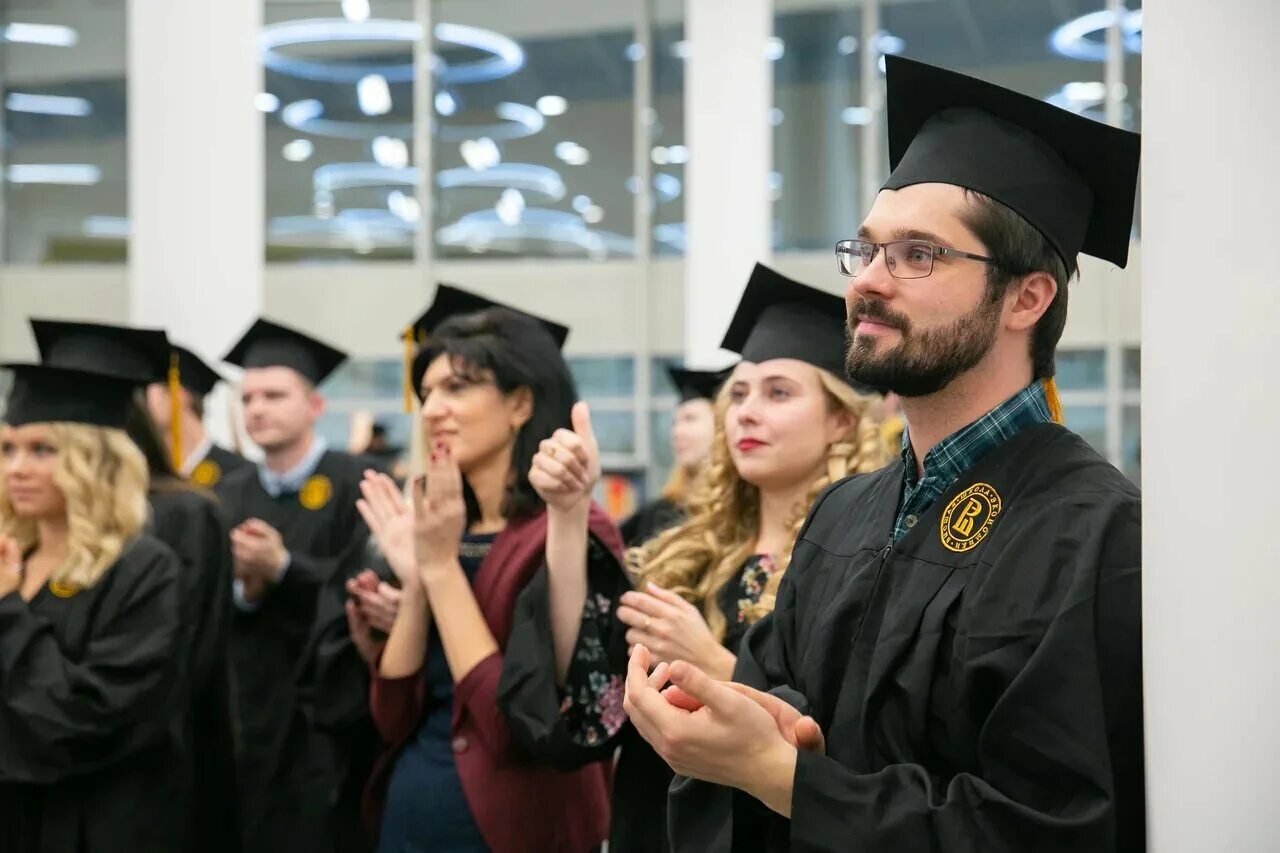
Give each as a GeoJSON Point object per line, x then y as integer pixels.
{"type": "Point", "coordinates": [905, 259]}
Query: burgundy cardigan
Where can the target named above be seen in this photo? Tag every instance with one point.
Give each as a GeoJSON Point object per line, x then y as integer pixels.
{"type": "Point", "coordinates": [520, 806]}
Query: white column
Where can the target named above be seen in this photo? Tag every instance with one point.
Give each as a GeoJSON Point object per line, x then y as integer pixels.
{"type": "Point", "coordinates": [1211, 415]}
{"type": "Point", "coordinates": [424, 98]}
{"type": "Point", "coordinates": [195, 168]}
{"type": "Point", "coordinates": [643, 116]}
{"type": "Point", "coordinates": [728, 95]}
{"type": "Point", "coordinates": [872, 170]}
{"type": "Point", "coordinates": [1113, 74]}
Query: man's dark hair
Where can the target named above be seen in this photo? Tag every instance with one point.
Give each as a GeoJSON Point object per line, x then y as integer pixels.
{"type": "Point", "coordinates": [1020, 250]}
{"type": "Point", "coordinates": [140, 428]}
{"type": "Point", "coordinates": [197, 404]}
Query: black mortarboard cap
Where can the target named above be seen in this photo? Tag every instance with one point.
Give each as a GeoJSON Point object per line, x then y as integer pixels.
{"type": "Point", "coordinates": [1073, 178]}
{"type": "Point", "coordinates": [781, 318]}
{"type": "Point", "coordinates": [697, 384]}
{"type": "Point", "coordinates": [139, 355]}
{"type": "Point", "coordinates": [43, 394]}
{"type": "Point", "coordinates": [268, 344]}
{"type": "Point", "coordinates": [196, 376]}
{"type": "Point", "coordinates": [450, 302]}
{"type": "Point", "coordinates": [453, 301]}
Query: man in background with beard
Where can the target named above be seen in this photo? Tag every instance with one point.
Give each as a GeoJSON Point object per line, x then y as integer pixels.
{"type": "Point", "coordinates": [954, 661]}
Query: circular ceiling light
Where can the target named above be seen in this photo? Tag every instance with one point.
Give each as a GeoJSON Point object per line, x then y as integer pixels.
{"type": "Point", "coordinates": [552, 105]}
{"type": "Point", "coordinates": [506, 57]}
{"type": "Point", "coordinates": [526, 177]}
{"type": "Point", "coordinates": [1075, 39]}
{"type": "Point", "coordinates": [307, 116]}
{"type": "Point", "coordinates": [518, 122]}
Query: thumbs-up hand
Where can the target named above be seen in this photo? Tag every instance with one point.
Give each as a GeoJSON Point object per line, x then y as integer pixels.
{"type": "Point", "coordinates": [567, 465]}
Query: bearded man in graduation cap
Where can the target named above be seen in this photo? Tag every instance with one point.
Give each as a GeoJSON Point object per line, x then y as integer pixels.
{"type": "Point", "coordinates": [954, 662]}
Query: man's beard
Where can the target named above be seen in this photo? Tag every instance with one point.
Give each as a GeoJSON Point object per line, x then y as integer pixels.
{"type": "Point", "coordinates": [923, 362]}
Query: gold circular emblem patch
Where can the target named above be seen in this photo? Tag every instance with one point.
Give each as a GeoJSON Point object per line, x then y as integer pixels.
{"type": "Point", "coordinates": [63, 590]}
{"type": "Point", "coordinates": [207, 473]}
{"type": "Point", "coordinates": [316, 492]}
{"type": "Point", "coordinates": [968, 519]}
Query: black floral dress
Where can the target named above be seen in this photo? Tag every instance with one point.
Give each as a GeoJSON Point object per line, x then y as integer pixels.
{"type": "Point", "coordinates": [590, 723]}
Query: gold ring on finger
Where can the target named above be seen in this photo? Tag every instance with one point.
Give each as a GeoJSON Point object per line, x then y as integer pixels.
{"type": "Point", "coordinates": [551, 451]}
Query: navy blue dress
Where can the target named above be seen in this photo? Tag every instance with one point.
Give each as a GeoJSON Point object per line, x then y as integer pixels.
{"type": "Point", "coordinates": [427, 811]}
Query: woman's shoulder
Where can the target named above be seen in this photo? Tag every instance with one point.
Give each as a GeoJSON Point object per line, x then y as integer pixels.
{"type": "Point", "coordinates": [145, 567]}
{"type": "Point", "coordinates": [146, 550]}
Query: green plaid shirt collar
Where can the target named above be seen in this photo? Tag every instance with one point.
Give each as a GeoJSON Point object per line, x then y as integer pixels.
{"type": "Point", "coordinates": [961, 450]}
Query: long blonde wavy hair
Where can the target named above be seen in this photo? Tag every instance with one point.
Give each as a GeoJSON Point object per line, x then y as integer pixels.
{"type": "Point", "coordinates": [698, 557]}
{"type": "Point", "coordinates": [103, 479]}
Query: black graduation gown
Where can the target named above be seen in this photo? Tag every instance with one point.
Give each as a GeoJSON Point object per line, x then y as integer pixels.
{"type": "Point", "coordinates": [340, 687]}
{"type": "Point", "coordinates": [191, 523]}
{"type": "Point", "coordinates": [291, 771]}
{"type": "Point", "coordinates": [981, 699]}
{"type": "Point", "coordinates": [650, 520]}
{"type": "Point", "coordinates": [92, 755]}
{"type": "Point", "coordinates": [216, 465]}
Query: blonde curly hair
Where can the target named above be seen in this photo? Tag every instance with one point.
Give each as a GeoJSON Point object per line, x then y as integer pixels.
{"type": "Point", "coordinates": [697, 558]}
{"type": "Point", "coordinates": [103, 479]}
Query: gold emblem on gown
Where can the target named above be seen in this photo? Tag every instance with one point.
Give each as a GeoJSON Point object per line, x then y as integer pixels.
{"type": "Point", "coordinates": [968, 519]}
{"type": "Point", "coordinates": [316, 492]}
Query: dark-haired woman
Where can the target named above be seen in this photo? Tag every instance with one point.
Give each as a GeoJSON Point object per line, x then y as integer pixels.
{"type": "Point", "coordinates": [467, 543]}
{"type": "Point", "coordinates": [187, 519]}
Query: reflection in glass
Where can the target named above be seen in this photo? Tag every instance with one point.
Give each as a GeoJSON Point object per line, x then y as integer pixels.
{"type": "Point", "coordinates": [660, 383]}
{"type": "Point", "coordinates": [670, 153]}
{"type": "Point", "coordinates": [367, 380]}
{"type": "Point", "coordinates": [615, 431]}
{"type": "Point", "coordinates": [338, 108]}
{"type": "Point", "coordinates": [336, 428]}
{"type": "Point", "coordinates": [1090, 423]}
{"type": "Point", "coordinates": [1131, 442]}
{"type": "Point", "coordinates": [537, 138]}
{"type": "Point", "coordinates": [818, 89]}
{"type": "Point", "coordinates": [817, 142]}
{"type": "Point", "coordinates": [608, 377]}
{"type": "Point", "coordinates": [1132, 369]}
{"type": "Point", "coordinates": [1081, 370]}
{"type": "Point", "coordinates": [663, 457]}
{"type": "Point", "coordinates": [62, 69]}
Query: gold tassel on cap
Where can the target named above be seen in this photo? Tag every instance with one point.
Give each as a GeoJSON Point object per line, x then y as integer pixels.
{"type": "Point", "coordinates": [1054, 401]}
{"type": "Point", "coordinates": [410, 394]}
{"type": "Point", "coordinates": [175, 414]}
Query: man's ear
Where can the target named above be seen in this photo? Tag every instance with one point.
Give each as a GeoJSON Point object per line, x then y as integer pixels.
{"type": "Point", "coordinates": [1027, 300]}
